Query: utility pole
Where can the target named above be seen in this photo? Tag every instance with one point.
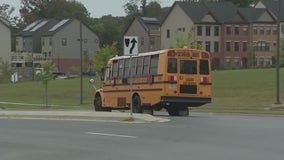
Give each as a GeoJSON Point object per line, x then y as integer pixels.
{"type": "Point", "coordinates": [277, 102]}
{"type": "Point", "coordinates": [81, 65]}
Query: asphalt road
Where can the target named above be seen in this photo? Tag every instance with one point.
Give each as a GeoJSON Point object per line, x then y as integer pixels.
{"type": "Point", "coordinates": [198, 137]}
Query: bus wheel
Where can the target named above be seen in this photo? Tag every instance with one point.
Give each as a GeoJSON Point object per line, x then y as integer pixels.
{"type": "Point", "coordinates": [136, 104]}
{"type": "Point", "coordinates": [148, 110]}
{"type": "Point", "coordinates": [173, 111]}
{"type": "Point", "coordinates": [98, 103]}
{"type": "Point", "coordinates": [183, 111]}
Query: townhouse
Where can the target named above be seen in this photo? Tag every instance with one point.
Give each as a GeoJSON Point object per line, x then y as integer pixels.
{"type": "Point", "coordinates": [5, 39]}
{"type": "Point", "coordinates": [59, 41]}
{"type": "Point", "coordinates": [147, 29]}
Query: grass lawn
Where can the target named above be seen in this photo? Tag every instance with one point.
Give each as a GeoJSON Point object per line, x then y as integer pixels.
{"type": "Point", "coordinates": [245, 91]}
{"type": "Point", "coordinates": [65, 94]}
{"type": "Point", "coordinates": [234, 91]}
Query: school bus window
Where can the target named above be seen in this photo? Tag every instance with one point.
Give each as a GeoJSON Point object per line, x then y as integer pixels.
{"type": "Point", "coordinates": [120, 67]}
{"type": "Point", "coordinates": [107, 73]}
{"type": "Point", "coordinates": [114, 69]}
{"type": "Point", "coordinates": [139, 66]}
{"type": "Point", "coordinates": [145, 66]}
{"type": "Point", "coordinates": [133, 66]}
{"type": "Point", "coordinates": [204, 67]}
{"type": "Point", "coordinates": [126, 68]}
{"type": "Point", "coordinates": [154, 64]}
{"type": "Point", "coordinates": [188, 67]}
{"type": "Point", "coordinates": [172, 65]}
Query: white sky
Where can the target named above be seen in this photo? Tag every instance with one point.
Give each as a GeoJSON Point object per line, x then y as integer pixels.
{"type": "Point", "coordinates": [97, 8]}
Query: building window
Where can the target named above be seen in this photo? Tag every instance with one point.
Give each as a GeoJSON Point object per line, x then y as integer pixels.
{"type": "Point", "coordinates": [228, 46]}
{"type": "Point", "coordinates": [199, 30]}
{"type": "Point", "coordinates": [255, 30]}
{"type": "Point", "coordinates": [228, 30]}
{"type": "Point", "coordinates": [168, 33]}
{"type": "Point", "coordinates": [261, 46]}
{"type": "Point", "coordinates": [245, 30]}
{"type": "Point", "coordinates": [216, 31]}
{"type": "Point", "coordinates": [236, 30]}
{"type": "Point", "coordinates": [268, 31]}
{"type": "Point", "coordinates": [228, 61]}
{"type": "Point", "coordinates": [152, 40]}
{"type": "Point", "coordinates": [208, 30]}
{"type": "Point", "coordinates": [181, 29]}
{"type": "Point", "coordinates": [42, 43]}
{"type": "Point", "coordinates": [261, 30]}
{"type": "Point", "coordinates": [245, 46]}
{"type": "Point", "coordinates": [64, 42]}
{"type": "Point", "coordinates": [207, 46]}
{"type": "Point", "coordinates": [142, 41]}
{"type": "Point", "coordinates": [236, 61]}
{"type": "Point", "coordinates": [236, 46]}
{"type": "Point", "coordinates": [274, 30]}
{"type": "Point", "coordinates": [50, 41]}
{"type": "Point", "coordinates": [216, 46]}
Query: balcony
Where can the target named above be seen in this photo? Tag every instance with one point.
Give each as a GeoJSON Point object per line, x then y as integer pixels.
{"type": "Point", "coordinates": [27, 57]}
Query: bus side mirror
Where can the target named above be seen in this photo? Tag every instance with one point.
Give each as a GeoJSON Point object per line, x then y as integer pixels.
{"type": "Point", "coordinates": [92, 82]}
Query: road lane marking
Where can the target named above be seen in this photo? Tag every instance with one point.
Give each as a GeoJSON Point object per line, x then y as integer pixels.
{"type": "Point", "coordinates": [111, 135]}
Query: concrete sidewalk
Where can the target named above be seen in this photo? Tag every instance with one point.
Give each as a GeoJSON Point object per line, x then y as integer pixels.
{"type": "Point", "coordinates": [81, 115]}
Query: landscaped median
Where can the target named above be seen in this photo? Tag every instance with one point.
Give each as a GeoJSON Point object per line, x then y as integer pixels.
{"type": "Point", "coordinates": [81, 115]}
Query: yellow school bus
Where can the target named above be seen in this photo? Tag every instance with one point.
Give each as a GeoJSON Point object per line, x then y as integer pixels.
{"type": "Point", "coordinates": [174, 79]}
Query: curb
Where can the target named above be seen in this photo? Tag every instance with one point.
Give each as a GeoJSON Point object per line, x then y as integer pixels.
{"type": "Point", "coordinates": [82, 116]}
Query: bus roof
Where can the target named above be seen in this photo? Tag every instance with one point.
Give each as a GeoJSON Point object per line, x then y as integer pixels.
{"type": "Point", "coordinates": [140, 54]}
{"type": "Point", "coordinates": [152, 53]}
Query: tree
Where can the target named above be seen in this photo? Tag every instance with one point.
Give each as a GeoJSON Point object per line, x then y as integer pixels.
{"type": "Point", "coordinates": [45, 76]}
{"type": "Point", "coordinates": [251, 56]}
{"type": "Point", "coordinates": [5, 70]}
{"type": "Point", "coordinates": [102, 57]}
{"type": "Point", "coordinates": [187, 40]}
{"type": "Point", "coordinates": [32, 10]}
{"type": "Point", "coordinates": [110, 29]}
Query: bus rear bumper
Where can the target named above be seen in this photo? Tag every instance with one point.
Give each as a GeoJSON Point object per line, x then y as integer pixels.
{"type": "Point", "coordinates": [184, 101]}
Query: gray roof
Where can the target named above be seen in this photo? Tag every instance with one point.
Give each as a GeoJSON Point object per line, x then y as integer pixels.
{"type": "Point", "coordinates": [38, 26]}
{"type": "Point", "coordinates": [150, 20]}
{"type": "Point", "coordinates": [4, 21]}
{"type": "Point", "coordinates": [252, 14]}
{"type": "Point", "coordinates": [274, 6]}
{"type": "Point", "coordinates": [57, 26]}
{"type": "Point", "coordinates": [221, 11]}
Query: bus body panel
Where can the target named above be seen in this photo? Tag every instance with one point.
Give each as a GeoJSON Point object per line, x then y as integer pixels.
{"type": "Point", "coordinates": [159, 89]}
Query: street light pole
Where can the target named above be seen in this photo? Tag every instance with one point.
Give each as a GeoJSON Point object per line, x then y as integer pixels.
{"type": "Point", "coordinates": [81, 66]}
{"type": "Point", "coordinates": [277, 102]}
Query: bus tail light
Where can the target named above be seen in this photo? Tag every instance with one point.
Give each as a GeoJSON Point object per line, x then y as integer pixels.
{"type": "Point", "coordinates": [204, 55]}
{"type": "Point", "coordinates": [171, 53]}
{"type": "Point", "coordinates": [172, 78]}
{"type": "Point", "coordinates": [204, 80]}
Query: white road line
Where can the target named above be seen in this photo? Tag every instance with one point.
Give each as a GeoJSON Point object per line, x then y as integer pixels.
{"type": "Point", "coordinates": [111, 135]}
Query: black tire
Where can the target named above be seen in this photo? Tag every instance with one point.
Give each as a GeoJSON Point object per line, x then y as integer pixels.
{"type": "Point", "coordinates": [183, 111]}
{"type": "Point", "coordinates": [98, 103]}
{"type": "Point", "coordinates": [147, 110]}
{"type": "Point", "coordinates": [175, 111]}
{"type": "Point", "coordinates": [136, 104]}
